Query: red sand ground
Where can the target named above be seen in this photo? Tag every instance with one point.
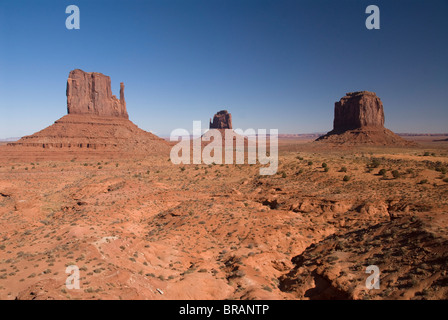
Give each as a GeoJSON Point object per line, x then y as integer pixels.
{"type": "Point", "coordinates": [139, 227]}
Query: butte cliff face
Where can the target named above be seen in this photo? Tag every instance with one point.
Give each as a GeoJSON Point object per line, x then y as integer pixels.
{"type": "Point", "coordinates": [90, 93]}
{"type": "Point", "coordinates": [357, 110]}
{"type": "Point", "coordinates": [221, 120]}
{"type": "Point", "coordinates": [359, 119]}
{"type": "Point", "coordinates": [222, 123]}
{"type": "Point", "coordinates": [96, 120]}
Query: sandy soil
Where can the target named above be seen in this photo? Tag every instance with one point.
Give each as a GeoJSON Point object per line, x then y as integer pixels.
{"type": "Point", "coordinates": [144, 228]}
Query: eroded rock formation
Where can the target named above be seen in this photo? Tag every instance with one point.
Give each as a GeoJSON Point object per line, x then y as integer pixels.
{"type": "Point", "coordinates": [96, 120]}
{"type": "Point", "coordinates": [90, 93]}
{"type": "Point", "coordinates": [359, 119]}
{"type": "Point", "coordinates": [221, 120]}
{"type": "Point", "coordinates": [357, 110]}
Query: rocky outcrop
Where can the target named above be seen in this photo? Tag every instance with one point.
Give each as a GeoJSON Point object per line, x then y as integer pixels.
{"type": "Point", "coordinates": [336, 267]}
{"type": "Point", "coordinates": [357, 110]}
{"type": "Point", "coordinates": [221, 120]}
{"type": "Point", "coordinates": [96, 120]}
{"type": "Point", "coordinates": [85, 132]}
{"type": "Point", "coordinates": [90, 93]}
{"type": "Point", "coordinates": [359, 120]}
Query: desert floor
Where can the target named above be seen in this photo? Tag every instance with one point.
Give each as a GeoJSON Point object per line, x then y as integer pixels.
{"type": "Point", "coordinates": [145, 228]}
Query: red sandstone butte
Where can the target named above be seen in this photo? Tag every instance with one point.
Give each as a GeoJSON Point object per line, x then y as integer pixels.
{"type": "Point", "coordinates": [90, 93]}
{"type": "Point", "coordinates": [221, 120]}
{"type": "Point", "coordinates": [359, 120]}
{"type": "Point", "coordinates": [96, 120]}
{"type": "Point", "coordinates": [357, 110]}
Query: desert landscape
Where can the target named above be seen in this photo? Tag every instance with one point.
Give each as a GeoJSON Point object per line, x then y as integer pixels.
{"type": "Point", "coordinates": [224, 158]}
{"type": "Point", "coordinates": [95, 191]}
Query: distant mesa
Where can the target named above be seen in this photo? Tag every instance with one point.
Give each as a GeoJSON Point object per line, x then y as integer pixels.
{"type": "Point", "coordinates": [438, 140]}
{"type": "Point", "coordinates": [222, 123]}
{"type": "Point", "coordinates": [96, 120]}
{"type": "Point", "coordinates": [221, 120]}
{"type": "Point", "coordinates": [359, 120]}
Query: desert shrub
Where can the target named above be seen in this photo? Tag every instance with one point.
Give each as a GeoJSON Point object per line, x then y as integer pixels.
{"type": "Point", "coordinates": [346, 178]}
{"type": "Point", "coordinates": [239, 273]}
{"type": "Point", "coordinates": [426, 154]}
{"type": "Point", "coordinates": [326, 169]}
{"type": "Point", "coordinates": [445, 180]}
{"type": "Point", "coordinates": [310, 163]}
{"type": "Point", "coordinates": [267, 288]}
{"type": "Point", "coordinates": [375, 163]}
{"type": "Point", "coordinates": [283, 174]}
{"type": "Point", "coordinates": [343, 169]}
{"type": "Point", "coordinates": [396, 174]}
{"type": "Point", "coordinates": [423, 181]}
{"type": "Point", "coordinates": [324, 165]}
{"type": "Point", "coordinates": [382, 172]}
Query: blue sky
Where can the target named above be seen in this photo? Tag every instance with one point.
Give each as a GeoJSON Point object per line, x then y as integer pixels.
{"type": "Point", "coordinates": [273, 64]}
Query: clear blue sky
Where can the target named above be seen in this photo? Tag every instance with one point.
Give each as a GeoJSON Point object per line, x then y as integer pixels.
{"type": "Point", "coordinates": [273, 64]}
